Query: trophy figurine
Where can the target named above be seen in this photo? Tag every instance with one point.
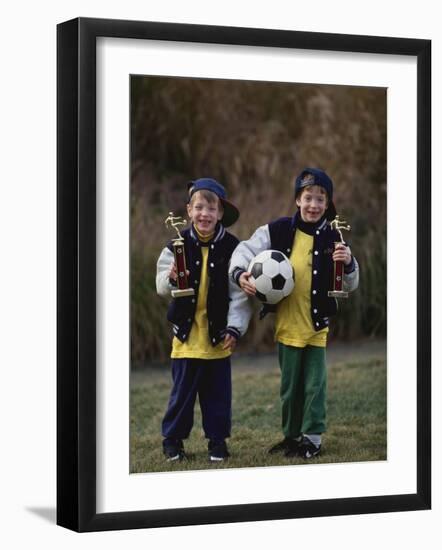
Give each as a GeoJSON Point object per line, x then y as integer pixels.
{"type": "Point", "coordinates": [338, 271]}
{"type": "Point", "coordinates": [180, 258]}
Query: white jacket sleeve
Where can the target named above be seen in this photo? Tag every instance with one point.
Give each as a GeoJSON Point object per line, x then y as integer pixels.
{"type": "Point", "coordinates": [163, 267]}
{"type": "Point", "coordinates": [350, 281]}
{"type": "Point", "coordinates": [240, 308]}
{"type": "Point", "coordinates": [247, 250]}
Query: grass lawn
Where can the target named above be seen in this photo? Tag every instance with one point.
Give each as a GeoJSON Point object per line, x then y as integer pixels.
{"type": "Point", "coordinates": [356, 418]}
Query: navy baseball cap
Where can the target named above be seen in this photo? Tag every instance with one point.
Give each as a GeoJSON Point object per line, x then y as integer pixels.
{"type": "Point", "coordinates": [315, 176]}
{"type": "Point", "coordinates": [231, 213]}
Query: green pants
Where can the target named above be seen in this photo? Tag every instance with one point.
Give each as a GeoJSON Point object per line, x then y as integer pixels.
{"type": "Point", "coordinates": [303, 390]}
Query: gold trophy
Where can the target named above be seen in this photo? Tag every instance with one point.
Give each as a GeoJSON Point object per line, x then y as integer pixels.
{"type": "Point", "coordinates": [338, 271]}
{"type": "Point", "coordinates": [180, 258]}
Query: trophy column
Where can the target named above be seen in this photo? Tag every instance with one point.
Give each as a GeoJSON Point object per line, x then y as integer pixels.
{"type": "Point", "coordinates": [180, 258]}
{"type": "Point", "coordinates": [338, 270]}
{"type": "Point", "coordinates": [180, 261]}
{"type": "Point", "coordinates": [338, 275]}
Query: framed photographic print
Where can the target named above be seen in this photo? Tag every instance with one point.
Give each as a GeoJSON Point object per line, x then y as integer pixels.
{"type": "Point", "coordinates": [144, 108]}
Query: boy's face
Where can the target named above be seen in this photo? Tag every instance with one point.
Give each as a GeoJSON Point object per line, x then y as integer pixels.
{"type": "Point", "coordinates": [204, 214]}
{"type": "Point", "coordinates": [312, 203]}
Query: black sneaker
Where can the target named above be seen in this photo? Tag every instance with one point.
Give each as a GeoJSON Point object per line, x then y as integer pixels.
{"type": "Point", "coordinates": [293, 447]}
{"type": "Point", "coordinates": [217, 451]}
{"type": "Point", "coordinates": [173, 449]}
{"type": "Point", "coordinates": [283, 446]}
{"type": "Point", "coordinates": [307, 449]}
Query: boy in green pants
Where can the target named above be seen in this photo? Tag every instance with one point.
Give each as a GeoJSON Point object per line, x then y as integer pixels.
{"type": "Point", "coordinates": [302, 319]}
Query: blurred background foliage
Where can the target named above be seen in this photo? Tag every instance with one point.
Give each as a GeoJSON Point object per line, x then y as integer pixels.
{"type": "Point", "coordinates": [255, 137]}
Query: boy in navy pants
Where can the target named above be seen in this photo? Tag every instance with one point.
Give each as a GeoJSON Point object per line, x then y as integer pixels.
{"type": "Point", "coordinates": [206, 326]}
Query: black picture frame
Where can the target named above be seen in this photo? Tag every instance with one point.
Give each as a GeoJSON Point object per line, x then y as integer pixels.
{"type": "Point", "coordinates": [77, 287]}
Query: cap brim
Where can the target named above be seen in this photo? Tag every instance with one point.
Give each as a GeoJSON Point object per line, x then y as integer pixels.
{"type": "Point", "coordinates": [231, 213]}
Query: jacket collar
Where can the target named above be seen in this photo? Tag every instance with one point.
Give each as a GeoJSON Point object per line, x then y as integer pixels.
{"type": "Point", "coordinates": [309, 228]}
{"type": "Point", "coordinates": [219, 233]}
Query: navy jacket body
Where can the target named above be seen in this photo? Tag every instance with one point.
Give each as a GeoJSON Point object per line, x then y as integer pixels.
{"type": "Point", "coordinates": [181, 312]}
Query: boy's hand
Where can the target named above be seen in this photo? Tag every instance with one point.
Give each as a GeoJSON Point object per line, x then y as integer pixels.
{"type": "Point", "coordinates": [229, 342]}
{"type": "Point", "coordinates": [342, 253]}
{"type": "Point", "coordinates": [248, 287]}
{"type": "Point", "coordinates": [172, 272]}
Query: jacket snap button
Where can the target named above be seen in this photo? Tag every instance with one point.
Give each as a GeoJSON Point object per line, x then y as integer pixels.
{"type": "Point", "coordinates": [315, 311]}
{"type": "Point", "coordinates": [314, 292]}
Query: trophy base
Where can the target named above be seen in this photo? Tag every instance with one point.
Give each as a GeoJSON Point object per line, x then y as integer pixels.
{"type": "Point", "coordinates": [337, 294]}
{"type": "Point", "coordinates": [180, 293]}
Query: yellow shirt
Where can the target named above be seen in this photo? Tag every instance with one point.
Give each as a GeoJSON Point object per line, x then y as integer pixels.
{"type": "Point", "coordinates": [197, 345]}
{"type": "Point", "coordinates": [293, 316]}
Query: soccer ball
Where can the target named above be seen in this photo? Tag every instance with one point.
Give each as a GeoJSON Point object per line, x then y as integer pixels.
{"type": "Point", "coordinates": [273, 276]}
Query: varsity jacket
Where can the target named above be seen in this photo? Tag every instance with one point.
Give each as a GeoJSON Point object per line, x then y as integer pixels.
{"type": "Point", "coordinates": [228, 308]}
{"type": "Point", "coordinates": [279, 235]}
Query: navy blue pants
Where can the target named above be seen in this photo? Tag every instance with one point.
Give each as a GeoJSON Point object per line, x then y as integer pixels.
{"type": "Point", "coordinates": [211, 380]}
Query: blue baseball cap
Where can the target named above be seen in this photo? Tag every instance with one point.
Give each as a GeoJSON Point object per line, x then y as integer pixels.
{"type": "Point", "coordinates": [231, 213]}
{"type": "Point", "coordinates": [315, 176]}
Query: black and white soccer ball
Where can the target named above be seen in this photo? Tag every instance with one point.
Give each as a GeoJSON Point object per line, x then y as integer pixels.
{"type": "Point", "coordinates": [273, 276]}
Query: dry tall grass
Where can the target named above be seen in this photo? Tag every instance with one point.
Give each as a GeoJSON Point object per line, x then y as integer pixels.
{"type": "Point", "coordinates": [254, 138]}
